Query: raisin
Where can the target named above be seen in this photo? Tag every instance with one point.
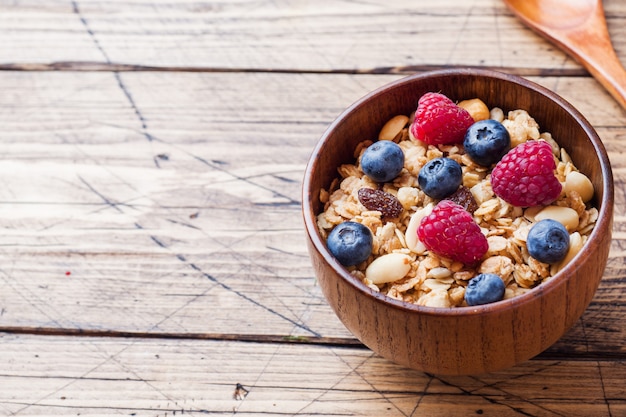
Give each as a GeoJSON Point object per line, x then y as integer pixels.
{"type": "Point", "coordinates": [464, 197]}
{"type": "Point", "coordinates": [380, 200]}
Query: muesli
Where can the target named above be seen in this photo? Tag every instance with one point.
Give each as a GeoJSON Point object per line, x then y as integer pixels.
{"type": "Point", "coordinates": [400, 265]}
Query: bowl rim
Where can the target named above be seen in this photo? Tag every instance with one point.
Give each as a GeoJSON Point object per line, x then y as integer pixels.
{"type": "Point", "coordinates": [605, 213]}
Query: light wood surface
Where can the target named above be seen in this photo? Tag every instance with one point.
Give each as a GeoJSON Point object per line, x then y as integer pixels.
{"type": "Point", "coordinates": [152, 248]}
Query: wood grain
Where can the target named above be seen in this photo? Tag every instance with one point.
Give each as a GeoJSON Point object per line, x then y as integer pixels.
{"type": "Point", "coordinates": [151, 168]}
{"type": "Point", "coordinates": [328, 35]}
{"type": "Point", "coordinates": [70, 376]}
{"type": "Point", "coordinates": [134, 197]}
{"type": "Point", "coordinates": [484, 338]}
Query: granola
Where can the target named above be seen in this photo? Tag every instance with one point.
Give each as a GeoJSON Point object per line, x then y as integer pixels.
{"type": "Point", "coordinates": [430, 280]}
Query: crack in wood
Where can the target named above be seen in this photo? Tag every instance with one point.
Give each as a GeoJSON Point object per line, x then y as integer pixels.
{"type": "Point", "coordinates": [218, 282]}
{"type": "Point", "coordinates": [118, 67]}
{"type": "Point", "coordinates": [329, 341]}
{"type": "Point", "coordinates": [603, 387]}
{"type": "Point", "coordinates": [117, 76]}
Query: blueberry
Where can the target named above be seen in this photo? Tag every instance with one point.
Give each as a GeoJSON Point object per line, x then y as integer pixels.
{"type": "Point", "coordinates": [484, 289]}
{"type": "Point", "coordinates": [486, 142]}
{"type": "Point", "coordinates": [350, 243]}
{"type": "Point", "coordinates": [440, 177]}
{"type": "Point", "coordinates": [382, 161]}
{"type": "Point", "coordinates": [548, 241]}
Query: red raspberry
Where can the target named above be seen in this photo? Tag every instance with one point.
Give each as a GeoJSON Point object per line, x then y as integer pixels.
{"type": "Point", "coordinates": [438, 120]}
{"type": "Point", "coordinates": [525, 176]}
{"type": "Point", "coordinates": [450, 231]}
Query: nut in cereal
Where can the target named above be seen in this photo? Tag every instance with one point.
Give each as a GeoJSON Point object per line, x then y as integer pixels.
{"type": "Point", "coordinates": [402, 264]}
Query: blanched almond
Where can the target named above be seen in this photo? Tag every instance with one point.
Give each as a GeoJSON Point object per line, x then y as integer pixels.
{"type": "Point", "coordinates": [388, 268]}
{"type": "Point", "coordinates": [576, 181]}
{"type": "Point", "coordinates": [568, 217]}
{"type": "Point", "coordinates": [412, 241]}
{"type": "Point", "coordinates": [393, 126]}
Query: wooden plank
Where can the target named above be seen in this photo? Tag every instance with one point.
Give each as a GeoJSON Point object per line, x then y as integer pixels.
{"type": "Point", "coordinates": [152, 260]}
{"type": "Point", "coordinates": [104, 376]}
{"type": "Point", "coordinates": [321, 36]}
{"type": "Point", "coordinates": [119, 192]}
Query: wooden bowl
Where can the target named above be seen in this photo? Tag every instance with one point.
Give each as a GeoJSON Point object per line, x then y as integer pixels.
{"type": "Point", "coordinates": [463, 340]}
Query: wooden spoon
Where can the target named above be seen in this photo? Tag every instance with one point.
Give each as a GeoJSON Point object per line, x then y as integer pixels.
{"type": "Point", "coordinates": [579, 28]}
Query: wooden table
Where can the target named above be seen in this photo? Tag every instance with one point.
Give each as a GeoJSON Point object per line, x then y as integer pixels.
{"type": "Point", "coordinates": [152, 249]}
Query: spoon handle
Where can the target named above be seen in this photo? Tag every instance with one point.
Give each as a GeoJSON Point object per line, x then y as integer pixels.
{"type": "Point", "coordinates": [611, 74]}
